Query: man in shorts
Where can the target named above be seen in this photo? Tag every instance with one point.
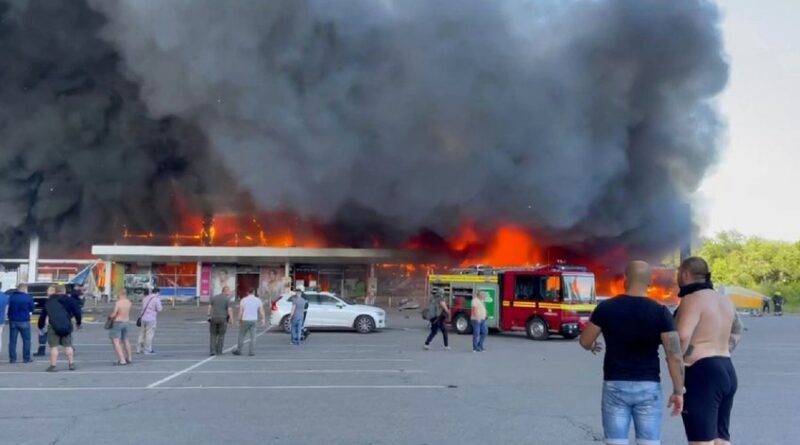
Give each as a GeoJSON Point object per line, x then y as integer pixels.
{"type": "Point", "coordinates": [119, 330]}
{"type": "Point", "coordinates": [57, 316]}
{"type": "Point", "coordinates": [709, 329]}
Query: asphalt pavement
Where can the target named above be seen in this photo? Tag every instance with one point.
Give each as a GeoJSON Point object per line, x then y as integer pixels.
{"type": "Point", "coordinates": [348, 388]}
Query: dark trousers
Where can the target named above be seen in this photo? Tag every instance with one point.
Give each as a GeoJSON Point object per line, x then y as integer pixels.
{"type": "Point", "coordinates": [217, 328]}
{"type": "Point", "coordinates": [438, 325]}
{"type": "Point", "coordinates": [23, 328]}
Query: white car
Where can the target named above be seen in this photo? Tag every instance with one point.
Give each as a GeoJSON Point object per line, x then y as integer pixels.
{"type": "Point", "coordinates": [326, 310]}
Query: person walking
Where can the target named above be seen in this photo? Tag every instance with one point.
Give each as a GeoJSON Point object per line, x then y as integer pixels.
{"type": "Point", "coordinates": [634, 326]}
{"type": "Point", "coordinates": [220, 313]}
{"type": "Point", "coordinates": [151, 306]}
{"type": "Point", "coordinates": [119, 329]}
{"type": "Point", "coordinates": [3, 312]}
{"type": "Point", "coordinates": [480, 328]}
{"type": "Point", "coordinates": [297, 317]}
{"type": "Point", "coordinates": [765, 305]}
{"type": "Point", "coordinates": [251, 309]}
{"type": "Point", "coordinates": [57, 314]}
{"type": "Point", "coordinates": [777, 304]}
{"type": "Point", "coordinates": [439, 321]}
{"type": "Point", "coordinates": [20, 308]}
{"type": "Point", "coordinates": [709, 329]}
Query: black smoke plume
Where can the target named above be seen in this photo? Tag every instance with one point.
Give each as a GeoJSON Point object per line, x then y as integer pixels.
{"type": "Point", "coordinates": [588, 122]}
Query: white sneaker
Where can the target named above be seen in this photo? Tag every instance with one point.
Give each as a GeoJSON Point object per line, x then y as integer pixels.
{"type": "Point", "coordinates": [447, 348]}
{"type": "Point", "coordinates": [426, 347]}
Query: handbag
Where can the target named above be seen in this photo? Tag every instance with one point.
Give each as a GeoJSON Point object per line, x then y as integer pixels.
{"type": "Point", "coordinates": [109, 322]}
{"type": "Point", "coordinates": [144, 309]}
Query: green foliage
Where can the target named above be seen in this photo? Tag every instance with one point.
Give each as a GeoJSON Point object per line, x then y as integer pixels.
{"type": "Point", "coordinates": [755, 263]}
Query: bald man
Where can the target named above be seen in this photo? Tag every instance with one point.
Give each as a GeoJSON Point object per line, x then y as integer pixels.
{"type": "Point", "coordinates": [634, 326]}
{"type": "Point", "coordinates": [709, 329]}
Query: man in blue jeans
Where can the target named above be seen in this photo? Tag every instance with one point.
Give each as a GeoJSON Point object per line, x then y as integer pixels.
{"type": "Point", "coordinates": [3, 310]}
{"type": "Point", "coordinates": [20, 308]}
{"type": "Point", "coordinates": [478, 319]}
{"type": "Point", "coordinates": [634, 326]}
{"type": "Point", "coordinates": [297, 317]}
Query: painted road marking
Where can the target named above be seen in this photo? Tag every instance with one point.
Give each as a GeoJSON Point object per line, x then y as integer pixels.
{"type": "Point", "coordinates": [199, 364]}
{"type": "Point", "coordinates": [247, 360]}
{"type": "Point", "coordinates": [236, 371]}
{"type": "Point", "coordinates": [248, 388]}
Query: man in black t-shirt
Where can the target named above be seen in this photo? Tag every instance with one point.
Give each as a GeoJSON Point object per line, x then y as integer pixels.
{"type": "Point", "coordinates": [634, 326]}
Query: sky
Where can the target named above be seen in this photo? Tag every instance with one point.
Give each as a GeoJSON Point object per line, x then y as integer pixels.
{"type": "Point", "coordinates": [755, 188]}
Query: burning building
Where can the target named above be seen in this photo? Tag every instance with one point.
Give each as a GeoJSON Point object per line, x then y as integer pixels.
{"type": "Point", "coordinates": [575, 129]}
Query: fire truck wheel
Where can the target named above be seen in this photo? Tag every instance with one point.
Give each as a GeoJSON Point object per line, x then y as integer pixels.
{"type": "Point", "coordinates": [286, 325]}
{"type": "Point", "coordinates": [462, 324]}
{"type": "Point", "coordinates": [364, 324]}
{"type": "Point", "coordinates": [537, 329]}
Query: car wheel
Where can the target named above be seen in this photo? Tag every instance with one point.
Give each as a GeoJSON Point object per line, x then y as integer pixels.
{"type": "Point", "coordinates": [286, 324]}
{"type": "Point", "coordinates": [536, 329]}
{"type": "Point", "coordinates": [461, 324]}
{"type": "Point", "coordinates": [364, 324]}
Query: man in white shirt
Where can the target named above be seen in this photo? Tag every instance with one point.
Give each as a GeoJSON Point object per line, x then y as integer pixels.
{"type": "Point", "coordinates": [250, 311]}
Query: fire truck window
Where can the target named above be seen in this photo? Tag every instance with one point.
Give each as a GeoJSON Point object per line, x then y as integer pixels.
{"type": "Point", "coordinates": [526, 287]}
{"type": "Point", "coordinates": [552, 289]}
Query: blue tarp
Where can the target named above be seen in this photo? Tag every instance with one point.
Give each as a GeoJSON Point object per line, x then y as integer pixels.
{"type": "Point", "coordinates": [83, 275]}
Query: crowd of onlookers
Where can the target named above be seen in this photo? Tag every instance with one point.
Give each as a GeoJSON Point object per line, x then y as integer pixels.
{"type": "Point", "coordinates": [62, 313]}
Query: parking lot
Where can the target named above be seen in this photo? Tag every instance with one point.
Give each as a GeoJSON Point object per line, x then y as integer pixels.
{"type": "Point", "coordinates": [348, 388]}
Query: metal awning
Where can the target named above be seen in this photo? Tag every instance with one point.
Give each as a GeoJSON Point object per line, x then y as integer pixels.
{"type": "Point", "coordinates": [250, 255]}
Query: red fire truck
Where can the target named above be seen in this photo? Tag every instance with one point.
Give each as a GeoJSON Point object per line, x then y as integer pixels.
{"type": "Point", "coordinates": [540, 300]}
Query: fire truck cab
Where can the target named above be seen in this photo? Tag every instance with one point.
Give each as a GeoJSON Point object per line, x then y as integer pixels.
{"type": "Point", "coordinates": [540, 300]}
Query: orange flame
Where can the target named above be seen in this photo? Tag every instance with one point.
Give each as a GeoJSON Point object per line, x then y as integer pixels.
{"type": "Point", "coordinates": [507, 246]}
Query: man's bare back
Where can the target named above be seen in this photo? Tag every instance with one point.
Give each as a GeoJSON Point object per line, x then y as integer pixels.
{"type": "Point", "coordinates": [122, 310]}
{"type": "Point", "coordinates": [709, 322]}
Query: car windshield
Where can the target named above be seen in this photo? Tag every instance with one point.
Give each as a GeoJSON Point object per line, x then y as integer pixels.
{"type": "Point", "coordinates": [579, 289]}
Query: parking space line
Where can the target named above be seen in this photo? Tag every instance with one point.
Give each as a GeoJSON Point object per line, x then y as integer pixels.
{"type": "Point", "coordinates": [233, 371]}
{"type": "Point", "coordinates": [199, 364]}
{"type": "Point", "coordinates": [201, 388]}
{"type": "Point", "coordinates": [250, 359]}
{"type": "Point", "coordinates": [312, 371]}
{"type": "Point", "coordinates": [312, 387]}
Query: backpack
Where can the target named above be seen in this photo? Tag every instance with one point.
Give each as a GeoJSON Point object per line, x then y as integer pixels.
{"type": "Point", "coordinates": [58, 317]}
{"type": "Point", "coordinates": [432, 311]}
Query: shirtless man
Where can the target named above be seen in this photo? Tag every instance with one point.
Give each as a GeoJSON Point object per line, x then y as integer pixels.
{"type": "Point", "coordinates": [119, 332]}
{"type": "Point", "coordinates": [709, 329]}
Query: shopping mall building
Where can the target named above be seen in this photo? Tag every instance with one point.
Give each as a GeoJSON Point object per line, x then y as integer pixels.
{"type": "Point", "coordinates": [189, 272]}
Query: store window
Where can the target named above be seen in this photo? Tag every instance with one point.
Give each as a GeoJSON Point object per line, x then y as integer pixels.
{"type": "Point", "coordinates": [177, 280]}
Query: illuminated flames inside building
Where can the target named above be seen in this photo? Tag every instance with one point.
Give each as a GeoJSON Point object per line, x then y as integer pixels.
{"type": "Point", "coordinates": [505, 246]}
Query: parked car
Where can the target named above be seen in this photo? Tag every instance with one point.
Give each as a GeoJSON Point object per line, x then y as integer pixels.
{"type": "Point", "coordinates": [39, 293]}
{"type": "Point", "coordinates": [326, 310]}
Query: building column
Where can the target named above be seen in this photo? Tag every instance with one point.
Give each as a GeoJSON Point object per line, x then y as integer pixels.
{"type": "Point", "coordinates": [108, 288]}
{"type": "Point", "coordinates": [33, 259]}
{"type": "Point", "coordinates": [199, 281]}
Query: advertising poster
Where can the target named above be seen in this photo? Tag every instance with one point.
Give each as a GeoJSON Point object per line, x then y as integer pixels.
{"type": "Point", "coordinates": [222, 276]}
{"type": "Point", "coordinates": [205, 283]}
{"type": "Point", "coordinates": [272, 282]}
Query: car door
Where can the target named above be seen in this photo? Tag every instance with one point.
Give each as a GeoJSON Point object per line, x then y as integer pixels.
{"type": "Point", "coordinates": [314, 316]}
{"type": "Point", "coordinates": [334, 311]}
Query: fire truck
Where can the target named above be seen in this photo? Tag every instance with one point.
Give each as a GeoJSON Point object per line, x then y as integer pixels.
{"type": "Point", "coordinates": [541, 301]}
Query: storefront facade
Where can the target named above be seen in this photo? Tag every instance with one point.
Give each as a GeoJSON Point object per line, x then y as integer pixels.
{"type": "Point", "coordinates": [200, 272]}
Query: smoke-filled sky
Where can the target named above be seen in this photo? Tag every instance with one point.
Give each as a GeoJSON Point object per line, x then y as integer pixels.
{"type": "Point", "coordinates": [583, 121]}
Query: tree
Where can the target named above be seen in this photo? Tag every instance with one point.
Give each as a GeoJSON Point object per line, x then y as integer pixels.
{"type": "Point", "coordinates": [756, 263]}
